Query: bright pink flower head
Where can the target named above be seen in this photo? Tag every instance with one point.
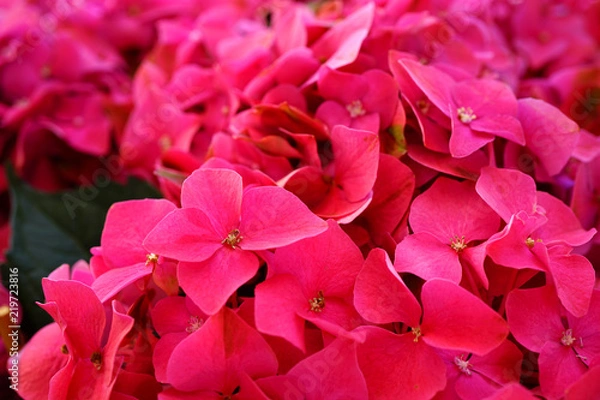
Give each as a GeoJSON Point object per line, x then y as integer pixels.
{"type": "Point", "coordinates": [427, 91]}
{"type": "Point", "coordinates": [567, 344]}
{"type": "Point", "coordinates": [384, 220]}
{"type": "Point", "coordinates": [219, 226]}
{"type": "Point", "coordinates": [551, 139]}
{"type": "Point", "coordinates": [332, 373]}
{"type": "Point", "coordinates": [405, 363]}
{"type": "Point", "coordinates": [473, 377]}
{"type": "Point", "coordinates": [174, 318]}
{"type": "Point", "coordinates": [124, 257]}
{"type": "Point", "coordinates": [341, 44]}
{"type": "Point", "coordinates": [310, 280]}
{"type": "Point", "coordinates": [539, 234]}
{"type": "Point", "coordinates": [89, 342]}
{"type": "Point", "coordinates": [481, 109]}
{"type": "Point", "coordinates": [212, 359]}
{"type": "Point", "coordinates": [366, 101]}
{"type": "Point", "coordinates": [448, 221]}
{"type": "Point", "coordinates": [344, 187]}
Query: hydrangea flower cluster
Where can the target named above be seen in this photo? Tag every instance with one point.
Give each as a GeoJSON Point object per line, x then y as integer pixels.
{"type": "Point", "coordinates": [362, 200]}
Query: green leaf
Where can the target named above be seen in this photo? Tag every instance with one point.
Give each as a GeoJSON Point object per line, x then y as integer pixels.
{"type": "Point", "coordinates": [49, 229]}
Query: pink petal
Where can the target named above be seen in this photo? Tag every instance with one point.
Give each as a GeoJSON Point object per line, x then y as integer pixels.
{"type": "Point", "coordinates": [450, 209]}
{"type": "Point", "coordinates": [39, 360]}
{"type": "Point", "coordinates": [340, 45]}
{"type": "Point", "coordinates": [333, 113]}
{"type": "Point", "coordinates": [290, 30]}
{"type": "Point", "coordinates": [534, 317]}
{"type": "Point", "coordinates": [209, 283]}
{"type": "Point", "coordinates": [162, 352]}
{"type": "Point", "coordinates": [82, 321]}
{"type": "Point", "coordinates": [455, 319]}
{"type": "Point", "coordinates": [466, 167]}
{"type": "Point", "coordinates": [273, 217]}
{"type": "Point", "coordinates": [185, 234]}
{"type": "Point", "coordinates": [216, 192]}
{"type": "Point", "coordinates": [392, 193]}
{"type": "Point", "coordinates": [397, 367]}
{"type": "Point", "coordinates": [213, 357]}
{"type": "Point", "coordinates": [550, 135]}
{"type": "Point", "coordinates": [510, 247]}
{"type": "Point", "coordinates": [507, 191]}
{"type": "Point", "coordinates": [587, 328]}
{"type": "Point", "coordinates": [380, 295]}
{"type": "Point", "coordinates": [574, 278]}
{"type": "Point", "coordinates": [512, 391]}
{"type": "Point", "coordinates": [331, 82]}
{"type": "Point", "coordinates": [559, 368]}
{"type": "Point", "coordinates": [464, 140]}
{"type": "Point", "coordinates": [434, 83]}
{"type": "Point", "coordinates": [424, 256]}
{"type": "Point", "coordinates": [356, 157]}
{"type": "Point", "coordinates": [172, 314]}
{"type": "Point", "coordinates": [120, 326]}
{"type": "Point", "coordinates": [586, 387]}
{"type": "Point", "coordinates": [562, 226]}
{"type": "Point", "coordinates": [278, 300]}
{"type": "Point", "coordinates": [332, 373]}
{"type": "Point", "coordinates": [505, 126]}
{"type": "Point", "coordinates": [127, 224]}
{"type": "Point", "coordinates": [112, 282]}
{"type": "Point", "coordinates": [328, 262]}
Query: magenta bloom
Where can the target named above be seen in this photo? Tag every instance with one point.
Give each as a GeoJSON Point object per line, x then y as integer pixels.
{"type": "Point", "coordinates": [344, 188]}
{"type": "Point", "coordinates": [332, 373]}
{"type": "Point", "coordinates": [567, 344]}
{"type": "Point", "coordinates": [211, 361]}
{"type": "Point", "coordinates": [219, 226]}
{"type": "Point", "coordinates": [125, 258]}
{"type": "Point", "coordinates": [87, 363]}
{"type": "Point", "coordinates": [405, 364]}
{"type": "Point", "coordinates": [539, 234]}
{"type": "Point", "coordinates": [481, 109]}
{"type": "Point", "coordinates": [448, 221]}
{"type": "Point", "coordinates": [310, 280]}
{"type": "Point", "coordinates": [367, 101]}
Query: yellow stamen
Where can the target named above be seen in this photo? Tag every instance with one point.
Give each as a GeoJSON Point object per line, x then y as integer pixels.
{"type": "Point", "coordinates": [96, 359]}
{"type": "Point", "coordinates": [356, 109]}
{"type": "Point", "coordinates": [233, 238]}
{"type": "Point", "coordinates": [317, 303]}
{"type": "Point", "coordinates": [417, 332]}
{"type": "Point", "coordinates": [151, 258]}
{"type": "Point", "coordinates": [466, 115]}
{"type": "Point", "coordinates": [458, 244]}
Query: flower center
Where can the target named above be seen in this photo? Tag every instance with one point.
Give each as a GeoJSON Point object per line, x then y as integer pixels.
{"type": "Point", "coordinates": [458, 244]}
{"type": "Point", "coordinates": [466, 115]}
{"type": "Point", "coordinates": [233, 238]}
{"type": "Point", "coordinates": [194, 323]}
{"type": "Point", "coordinates": [417, 332]}
{"type": "Point", "coordinates": [423, 106]}
{"type": "Point", "coordinates": [568, 339]}
{"type": "Point", "coordinates": [356, 109]}
{"type": "Point", "coordinates": [462, 364]}
{"type": "Point", "coordinates": [151, 258]}
{"type": "Point", "coordinates": [96, 359]}
{"type": "Point", "coordinates": [64, 349]}
{"type": "Point", "coordinates": [317, 303]}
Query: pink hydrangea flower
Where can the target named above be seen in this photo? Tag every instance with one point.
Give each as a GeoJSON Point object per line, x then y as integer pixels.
{"type": "Point", "coordinates": [567, 344]}
{"type": "Point", "coordinates": [219, 226]}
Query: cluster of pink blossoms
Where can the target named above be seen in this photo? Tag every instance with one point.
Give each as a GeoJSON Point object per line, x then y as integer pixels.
{"type": "Point", "coordinates": [363, 199]}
